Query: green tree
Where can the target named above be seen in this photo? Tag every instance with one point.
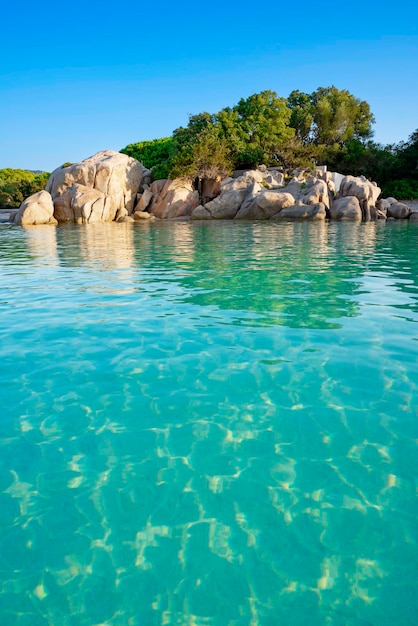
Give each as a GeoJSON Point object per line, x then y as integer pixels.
{"type": "Point", "coordinates": [263, 127]}
{"type": "Point", "coordinates": [200, 150]}
{"type": "Point", "coordinates": [18, 184]}
{"type": "Point", "coordinates": [154, 155]}
{"type": "Point", "coordinates": [329, 118]}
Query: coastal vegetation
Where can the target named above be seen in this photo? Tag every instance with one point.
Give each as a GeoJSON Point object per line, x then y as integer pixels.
{"type": "Point", "coordinates": [17, 184]}
{"type": "Point", "coordinates": [328, 126]}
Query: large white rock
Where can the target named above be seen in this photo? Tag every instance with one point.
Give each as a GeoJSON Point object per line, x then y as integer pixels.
{"type": "Point", "coordinates": [346, 208]}
{"type": "Point", "coordinates": [361, 188]}
{"type": "Point", "coordinates": [175, 198]}
{"type": "Point", "coordinates": [264, 205]}
{"type": "Point", "coordinates": [37, 209]}
{"type": "Point", "coordinates": [105, 183]}
{"type": "Point", "coordinates": [226, 206]}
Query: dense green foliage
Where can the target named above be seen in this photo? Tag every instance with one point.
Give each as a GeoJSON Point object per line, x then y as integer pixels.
{"type": "Point", "coordinates": [16, 185]}
{"type": "Point", "coordinates": [154, 154]}
{"type": "Point", "coordinates": [264, 128]}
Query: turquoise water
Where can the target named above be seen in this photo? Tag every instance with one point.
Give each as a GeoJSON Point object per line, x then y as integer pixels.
{"type": "Point", "coordinates": [209, 424]}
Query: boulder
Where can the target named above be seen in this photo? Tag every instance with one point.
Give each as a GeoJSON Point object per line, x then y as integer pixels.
{"type": "Point", "coordinates": [336, 179]}
{"type": "Point", "coordinates": [382, 206]}
{"type": "Point", "coordinates": [200, 213]}
{"type": "Point", "coordinates": [414, 217]}
{"type": "Point", "coordinates": [273, 179]}
{"type": "Point", "coordinates": [37, 209]}
{"type": "Point", "coordinates": [365, 191]}
{"type": "Point", "coordinates": [264, 204]}
{"type": "Point", "coordinates": [121, 214]}
{"type": "Point", "coordinates": [226, 206]}
{"type": "Point", "coordinates": [251, 176]}
{"type": "Point", "coordinates": [143, 215]}
{"type": "Point", "coordinates": [346, 208]}
{"type": "Point", "coordinates": [210, 189]}
{"type": "Point", "coordinates": [144, 200]}
{"type": "Point", "coordinates": [245, 210]}
{"type": "Point", "coordinates": [316, 191]}
{"type": "Point", "coordinates": [399, 211]}
{"type": "Point", "coordinates": [294, 187]}
{"type": "Point", "coordinates": [302, 211]}
{"type": "Point", "coordinates": [176, 198]}
{"type": "Point", "coordinates": [80, 204]}
{"type": "Point", "coordinates": [112, 178]}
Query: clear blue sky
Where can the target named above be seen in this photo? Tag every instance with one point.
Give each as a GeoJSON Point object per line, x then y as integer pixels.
{"type": "Point", "coordinates": [78, 77]}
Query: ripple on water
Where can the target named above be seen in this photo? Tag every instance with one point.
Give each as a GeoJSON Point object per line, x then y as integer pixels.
{"type": "Point", "coordinates": [208, 424]}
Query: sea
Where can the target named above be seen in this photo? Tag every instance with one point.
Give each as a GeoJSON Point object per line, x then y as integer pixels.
{"type": "Point", "coordinates": [209, 424]}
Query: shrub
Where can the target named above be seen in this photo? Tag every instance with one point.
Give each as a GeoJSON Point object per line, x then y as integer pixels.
{"type": "Point", "coordinates": [404, 189]}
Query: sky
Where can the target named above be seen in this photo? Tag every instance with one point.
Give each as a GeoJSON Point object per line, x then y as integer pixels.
{"type": "Point", "coordinates": [84, 76]}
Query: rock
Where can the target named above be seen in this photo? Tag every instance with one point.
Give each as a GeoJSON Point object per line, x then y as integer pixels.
{"type": "Point", "coordinates": [294, 187]}
{"type": "Point", "coordinates": [361, 188]}
{"type": "Point", "coordinates": [244, 211]}
{"type": "Point", "coordinates": [226, 206]}
{"type": "Point", "coordinates": [37, 209]}
{"type": "Point", "coordinates": [382, 206]}
{"type": "Point", "coordinates": [264, 204]}
{"type": "Point", "coordinates": [144, 200]}
{"type": "Point", "coordinates": [274, 179]}
{"type": "Point", "coordinates": [126, 220]}
{"type": "Point", "coordinates": [80, 204]}
{"type": "Point", "coordinates": [414, 217]}
{"type": "Point", "coordinates": [302, 211]}
{"type": "Point", "coordinates": [336, 180]}
{"type": "Point", "coordinates": [211, 188]}
{"type": "Point", "coordinates": [399, 211]}
{"type": "Point", "coordinates": [177, 198]}
{"type": "Point", "coordinates": [251, 176]}
{"type": "Point", "coordinates": [200, 213]}
{"type": "Point", "coordinates": [112, 178]}
{"type": "Point", "coordinates": [346, 208]}
{"type": "Point", "coordinates": [365, 191]}
{"type": "Point", "coordinates": [122, 213]}
{"type": "Point", "coordinates": [316, 191]}
{"type": "Point", "coordinates": [142, 215]}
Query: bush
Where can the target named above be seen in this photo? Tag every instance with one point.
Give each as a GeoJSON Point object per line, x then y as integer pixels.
{"type": "Point", "coordinates": [404, 189]}
{"type": "Point", "coordinates": [153, 154]}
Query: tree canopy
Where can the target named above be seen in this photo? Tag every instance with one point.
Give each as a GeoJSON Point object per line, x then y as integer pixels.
{"type": "Point", "coordinates": [262, 128]}
{"type": "Point", "coordinates": [328, 126]}
{"type": "Point", "coordinates": [17, 184]}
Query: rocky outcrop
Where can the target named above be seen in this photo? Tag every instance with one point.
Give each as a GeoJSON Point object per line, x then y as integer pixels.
{"type": "Point", "coordinates": [399, 211]}
{"type": "Point", "coordinates": [302, 212]}
{"type": "Point", "coordinates": [264, 204]}
{"type": "Point", "coordinates": [174, 198]}
{"type": "Point", "coordinates": [94, 190]}
{"type": "Point", "coordinates": [37, 209]}
{"type": "Point", "coordinates": [226, 206]}
{"type": "Point", "coordinates": [346, 208]}
{"type": "Point", "coordinates": [365, 191]}
{"type": "Point", "coordinates": [111, 186]}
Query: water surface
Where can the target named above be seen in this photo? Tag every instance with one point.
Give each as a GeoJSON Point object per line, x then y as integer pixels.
{"type": "Point", "coordinates": [209, 424]}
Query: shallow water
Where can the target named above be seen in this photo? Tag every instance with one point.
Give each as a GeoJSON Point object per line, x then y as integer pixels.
{"type": "Point", "coordinates": [209, 424]}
